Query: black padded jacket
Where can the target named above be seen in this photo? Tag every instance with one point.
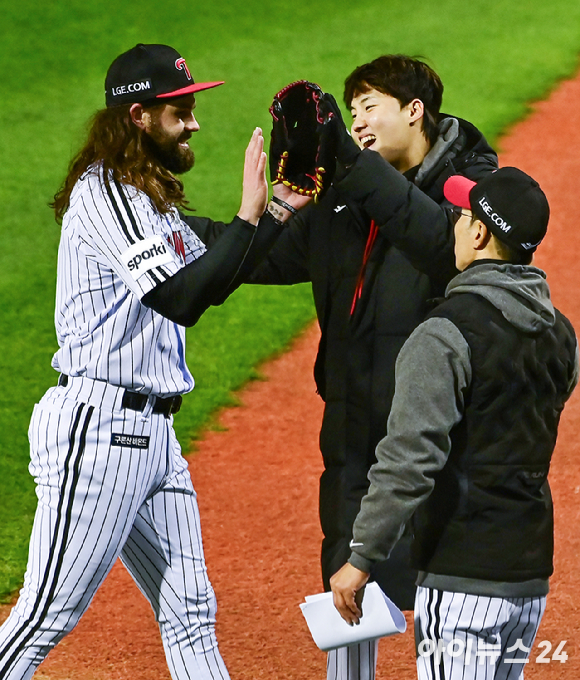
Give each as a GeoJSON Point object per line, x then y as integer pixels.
{"type": "Point", "coordinates": [410, 262]}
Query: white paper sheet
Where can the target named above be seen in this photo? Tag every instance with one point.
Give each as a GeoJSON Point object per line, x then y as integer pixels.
{"type": "Point", "coordinates": [330, 631]}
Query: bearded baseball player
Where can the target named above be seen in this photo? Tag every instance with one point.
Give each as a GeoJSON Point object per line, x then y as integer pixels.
{"type": "Point", "coordinates": [111, 481]}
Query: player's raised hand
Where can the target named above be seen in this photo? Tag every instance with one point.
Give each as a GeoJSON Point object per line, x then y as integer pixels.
{"type": "Point", "coordinates": [347, 590]}
{"type": "Point", "coordinates": [255, 185]}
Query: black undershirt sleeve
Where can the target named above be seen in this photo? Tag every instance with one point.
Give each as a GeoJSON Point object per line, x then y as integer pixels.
{"type": "Point", "coordinates": [209, 280]}
{"type": "Point", "coordinates": [185, 296]}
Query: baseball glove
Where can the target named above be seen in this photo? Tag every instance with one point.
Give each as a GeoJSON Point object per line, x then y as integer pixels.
{"type": "Point", "coordinates": [302, 154]}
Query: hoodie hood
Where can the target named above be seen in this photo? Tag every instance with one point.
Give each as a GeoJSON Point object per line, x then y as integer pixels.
{"type": "Point", "coordinates": [520, 292]}
{"type": "Point", "coordinates": [448, 133]}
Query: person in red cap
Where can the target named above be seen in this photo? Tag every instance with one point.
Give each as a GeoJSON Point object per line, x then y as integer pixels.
{"type": "Point", "coordinates": [132, 274]}
{"type": "Point", "coordinates": [480, 386]}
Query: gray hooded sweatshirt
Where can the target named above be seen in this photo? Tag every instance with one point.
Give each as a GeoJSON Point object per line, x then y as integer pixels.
{"type": "Point", "coordinates": [433, 373]}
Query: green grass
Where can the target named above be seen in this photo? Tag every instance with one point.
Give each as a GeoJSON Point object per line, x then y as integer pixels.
{"type": "Point", "coordinates": [493, 56]}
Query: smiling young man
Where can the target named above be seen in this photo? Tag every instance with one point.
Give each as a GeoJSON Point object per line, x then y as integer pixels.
{"type": "Point", "coordinates": [396, 132]}
{"type": "Point", "coordinates": [376, 248]}
{"type": "Point", "coordinates": [111, 480]}
{"type": "Point", "coordinates": [480, 386]}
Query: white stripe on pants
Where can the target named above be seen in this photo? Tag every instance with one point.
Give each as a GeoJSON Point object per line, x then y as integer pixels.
{"type": "Point", "coordinates": [473, 637]}
{"type": "Point", "coordinates": [96, 502]}
{"type": "Point", "coordinates": [356, 662]}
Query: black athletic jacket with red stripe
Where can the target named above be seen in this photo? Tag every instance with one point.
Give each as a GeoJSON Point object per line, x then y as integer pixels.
{"type": "Point", "coordinates": [410, 262]}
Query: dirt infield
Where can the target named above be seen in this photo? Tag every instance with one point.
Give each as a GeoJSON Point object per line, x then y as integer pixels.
{"type": "Point", "coordinates": [257, 490]}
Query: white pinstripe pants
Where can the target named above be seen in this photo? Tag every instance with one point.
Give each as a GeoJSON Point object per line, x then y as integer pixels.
{"type": "Point", "coordinates": [472, 637]}
{"type": "Point", "coordinates": [356, 662]}
{"type": "Point", "coordinates": [98, 501]}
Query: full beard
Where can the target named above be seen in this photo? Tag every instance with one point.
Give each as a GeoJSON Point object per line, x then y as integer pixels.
{"type": "Point", "coordinates": [167, 152]}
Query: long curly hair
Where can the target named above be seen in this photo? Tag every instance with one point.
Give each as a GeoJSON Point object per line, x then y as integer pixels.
{"type": "Point", "coordinates": [123, 150]}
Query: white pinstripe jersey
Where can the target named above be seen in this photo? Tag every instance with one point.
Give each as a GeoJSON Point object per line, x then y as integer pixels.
{"type": "Point", "coordinates": [114, 248]}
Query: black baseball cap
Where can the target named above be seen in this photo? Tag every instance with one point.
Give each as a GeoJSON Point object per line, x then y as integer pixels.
{"type": "Point", "coordinates": [150, 72]}
{"type": "Point", "coordinates": [510, 203]}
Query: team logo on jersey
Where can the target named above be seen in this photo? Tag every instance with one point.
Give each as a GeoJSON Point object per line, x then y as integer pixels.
{"type": "Point", "coordinates": [176, 242]}
{"type": "Point", "coordinates": [145, 255]}
{"type": "Point", "coordinates": [180, 65]}
{"type": "Point", "coordinates": [129, 441]}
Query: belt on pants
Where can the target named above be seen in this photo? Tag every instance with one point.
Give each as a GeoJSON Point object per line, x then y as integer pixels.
{"type": "Point", "coordinates": [137, 402]}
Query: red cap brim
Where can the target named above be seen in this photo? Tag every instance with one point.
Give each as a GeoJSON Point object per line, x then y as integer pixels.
{"type": "Point", "coordinates": [456, 190]}
{"type": "Point", "coordinates": [195, 87]}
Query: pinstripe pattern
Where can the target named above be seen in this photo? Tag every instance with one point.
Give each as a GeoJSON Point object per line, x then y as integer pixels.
{"type": "Point", "coordinates": [357, 662]}
{"type": "Point", "coordinates": [98, 502]}
{"type": "Point", "coordinates": [103, 330]}
{"type": "Point", "coordinates": [97, 499]}
{"type": "Point", "coordinates": [477, 631]}
{"type": "Point", "coordinates": [29, 625]}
